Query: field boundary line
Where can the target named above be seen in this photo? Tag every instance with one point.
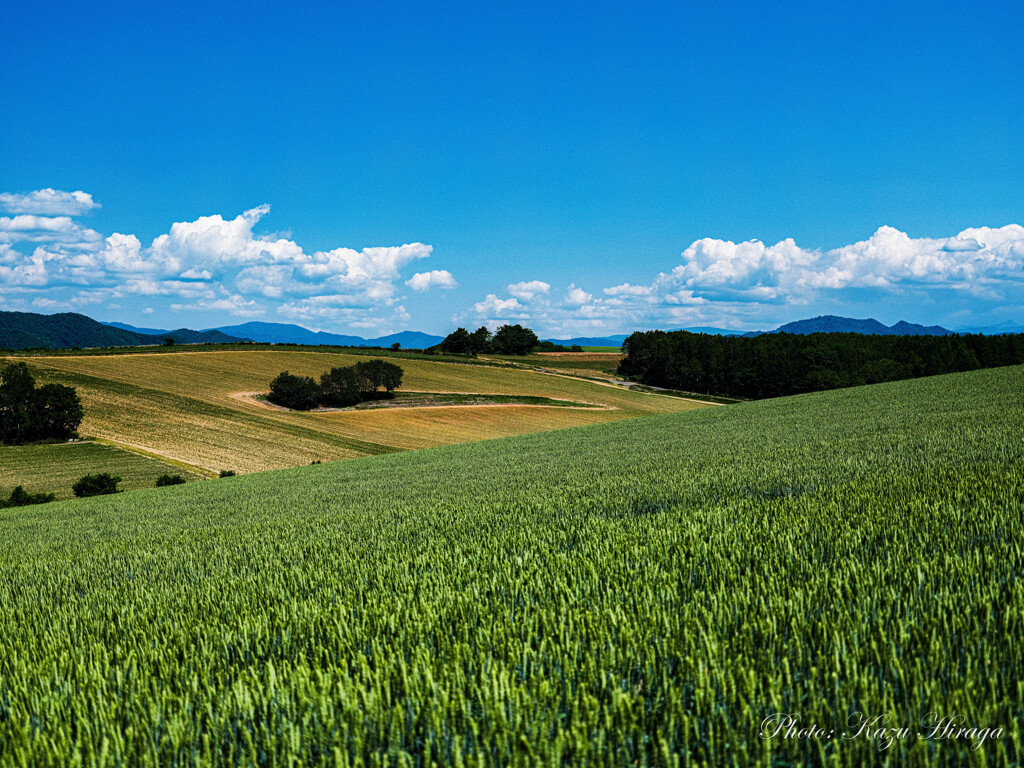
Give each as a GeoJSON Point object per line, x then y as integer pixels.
{"type": "Point", "coordinates": [252, 397]}
{"type": "Point", "coordinates": [620, 387]}
{"type": "Point", "coordinates": [151, 454]}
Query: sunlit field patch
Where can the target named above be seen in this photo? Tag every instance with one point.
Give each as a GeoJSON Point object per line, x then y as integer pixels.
{"type": "Point", "coordinates": [184, 406]}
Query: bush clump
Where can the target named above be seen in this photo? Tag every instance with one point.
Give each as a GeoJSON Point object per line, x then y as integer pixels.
{"type": "Point", "coordinates": [96, 485]}
{"type": "Point", "coordinates": [21, 498]}
{"type": "Point", "coordinates": [169, 480]}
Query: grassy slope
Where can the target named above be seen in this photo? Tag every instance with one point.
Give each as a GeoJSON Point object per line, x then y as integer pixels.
{"type": "Point", "coordinates": [599, 364]}
{"type": "Point", "coordinates": [55, 468]}
{"type": "Point", "coordinates": [615, 594]}
{"type": "Point", "coordinates": [180, 406]}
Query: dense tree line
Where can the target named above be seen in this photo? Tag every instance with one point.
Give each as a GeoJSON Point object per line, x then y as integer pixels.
{"type": "Point", "coordinates": [776, 364]}
{"type": "Point", "coordinates": [338, 387]}
{"type": "Point", "coordinates": [29, 413]}
{"type": "Point", "coordinates": [507, 340]}
{"type": "Point", "coordinates": [550, 346]}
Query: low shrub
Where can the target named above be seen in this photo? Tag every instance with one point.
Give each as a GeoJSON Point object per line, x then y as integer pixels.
{"type": "Point", "coordinates": [169, 480]}
{"type": "Point", "coordinates": [21, 498]}
{"type": "Point", "coordinates": [96, 485]}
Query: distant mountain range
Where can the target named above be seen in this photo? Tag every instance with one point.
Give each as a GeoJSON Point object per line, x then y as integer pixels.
{"type": "Point", "coordinates": [287, 333]}
{"type": "Point", "coordinates": [27, 330]}
{"type": "Point", "coordinates": [712, 331]}
{"type": "Point", "coordinates": [994, 330]}
{"type": "Point", "coordinates": [616, 340]}
{"type": "Point", "coordinates": [591, 341]}
{"type": "Point", "coordinates": [822, 324]}
{"type": "Point", "coordinates": [834, 324]}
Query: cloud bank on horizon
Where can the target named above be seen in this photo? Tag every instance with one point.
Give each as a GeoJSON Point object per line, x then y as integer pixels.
{"type": "Point", "coordinates": [221, 270]}
{"type": "Point", "coordinates": [976, 276]}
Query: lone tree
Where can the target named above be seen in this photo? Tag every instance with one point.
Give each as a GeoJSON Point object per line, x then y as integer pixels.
{"type": "Point", "coordinates": [513, 340]}
{"type": "Point", "coordinates": [372, 374]}
{"type": "Point", "coordinates": [341, 387]}
{"type": "Point", "coordinates": [480, 340]}
{"type": "Point", "coordinates": [458, 342]}
{"type": "Point", "coordinates": [392, 376]}
{"type": "Point", "coordinates": [58, 411]}
{"type": "Point", "coordinates": [27, 413]}
{"type": "Point", "coordinates": [379, 373]}
{"type": "Point", "coordinates": [300, 393]}
{"type": "Point", "coordinates": [16, 395]}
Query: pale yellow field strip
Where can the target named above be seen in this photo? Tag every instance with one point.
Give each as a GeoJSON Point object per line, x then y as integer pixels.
{"type": "Point", "coordinates": [150, 453]}
{"type": "Point", "coordinates": [409, 428]}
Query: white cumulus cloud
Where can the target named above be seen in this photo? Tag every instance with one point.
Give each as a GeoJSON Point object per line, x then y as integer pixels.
{"type": "Point", "coordinates": [529, 289]}
{"type": "Point", "coordinates": [494, 307]}
{"type": "Point", "coordinates": [49, 202]}
{"type": "Point", "coordinates": [436, 278]}
{"type": "Point", "coordinates": [577, 296]}
{"type": "Point", "coordinates": [234, 305]}
{"type": "Point", "coordinates": [195, 257]}
{"type": "Point", "coordinates": [62, 232]}
{"type": "Point", "coordinates": [755, 285]}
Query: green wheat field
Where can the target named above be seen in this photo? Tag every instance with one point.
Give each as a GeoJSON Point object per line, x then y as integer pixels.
{"type": "Point", "coordinates": [644, 592]}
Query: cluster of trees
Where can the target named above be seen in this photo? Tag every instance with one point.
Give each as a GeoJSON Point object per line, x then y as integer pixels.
{"type": "Point", "coordinates": [338, 388]}
{"type": "Point", "coordinates": [29, 413]}
{"type": "Point", "coordinates": [550, 346]}
{"type": "Point", "coordinates": [779, 364]}
{"type": "Point", "coordinates": [507, 340]}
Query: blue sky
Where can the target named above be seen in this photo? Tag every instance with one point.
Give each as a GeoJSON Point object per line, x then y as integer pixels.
{"type": "Point", "coordinates": [582, 169]}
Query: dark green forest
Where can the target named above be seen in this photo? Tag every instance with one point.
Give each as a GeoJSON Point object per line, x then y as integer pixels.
{"type": "Point", "coordinates": [778, 364]}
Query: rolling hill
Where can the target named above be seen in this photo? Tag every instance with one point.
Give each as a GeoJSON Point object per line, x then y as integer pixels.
{"type": "Point", "coordinates": [195, 408]}
{"type": "Point", "coordinates": [67, 330]}
{"type": "Point", "coordinates": [643, 592]}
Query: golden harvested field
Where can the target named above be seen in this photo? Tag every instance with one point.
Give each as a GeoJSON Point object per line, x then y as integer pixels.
{"type": "Point", "coordinates": [185, 406]}
{"type": "Point", "coordinates": [600, 365]}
